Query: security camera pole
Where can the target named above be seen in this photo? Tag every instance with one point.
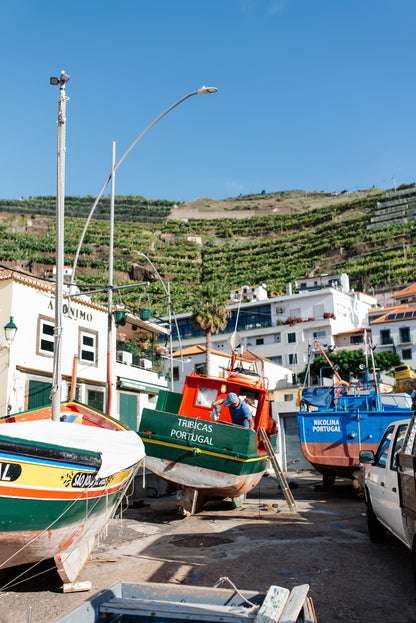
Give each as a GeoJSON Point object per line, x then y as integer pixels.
{"type": "Point", "coordinates": [60, 199]}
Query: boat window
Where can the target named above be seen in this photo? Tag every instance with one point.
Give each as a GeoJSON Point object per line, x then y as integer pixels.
{"type": "Point", "coordinates": [206, 396]}
{"type": "Point", "coordinates": [381, 456]}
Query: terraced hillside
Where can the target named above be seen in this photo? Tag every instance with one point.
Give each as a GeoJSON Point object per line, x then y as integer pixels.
{"type": "Point", "coordinates": [273, 248]}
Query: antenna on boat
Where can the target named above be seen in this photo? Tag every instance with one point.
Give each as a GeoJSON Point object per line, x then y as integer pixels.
{"type": "Point", "coordinates": [235, 339]}
{"type": "Point", "coordinates": [60, 199]}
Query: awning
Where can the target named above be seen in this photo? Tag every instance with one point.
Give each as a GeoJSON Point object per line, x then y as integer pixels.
{"type": "Point", "coordinates": [139, 386]}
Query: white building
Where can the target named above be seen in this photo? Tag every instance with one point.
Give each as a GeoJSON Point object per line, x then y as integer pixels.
{"type": "Point", "coordinates": [26, 364]}
{"type": "Point", "coordinates": [395, 331]}
{"type": "Point", "coordinates": [282, 328]}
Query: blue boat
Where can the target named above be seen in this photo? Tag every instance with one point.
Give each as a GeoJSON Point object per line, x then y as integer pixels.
{"type": "Point", "coordinates": [336, 423]}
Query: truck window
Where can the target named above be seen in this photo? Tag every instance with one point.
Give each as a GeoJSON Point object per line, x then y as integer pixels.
{"type": "Point", "coordinates": [398, 443]}
{"type": "Point", "coordinates": [383, 449]}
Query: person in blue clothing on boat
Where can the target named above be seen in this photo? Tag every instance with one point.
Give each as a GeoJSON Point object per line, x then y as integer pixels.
{"type": "Point", "coordinates": [239, 410]}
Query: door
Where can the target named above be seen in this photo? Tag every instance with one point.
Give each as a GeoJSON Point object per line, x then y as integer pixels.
{"type": "Point", "coordinates": [294, 456]}
{"type": "Point", "coordinates": [39, 394]}
{"type": "Point", "coordinates": [383, 480]}
{"type": "Point", "coordinates": [128, 410]}
{"type": "Point", "coordinates": [391, 485]}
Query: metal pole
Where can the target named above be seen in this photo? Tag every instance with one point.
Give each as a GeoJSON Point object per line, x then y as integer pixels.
{"type": "Point", "coordinates": [60, 200]}
{"type": "Point", "coordinates": [110, 281]}
{"type": "Point", "coordinates": [170, 339]}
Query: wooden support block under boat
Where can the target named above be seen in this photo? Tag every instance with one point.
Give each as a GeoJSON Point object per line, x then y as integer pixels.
{"type": "Point", "coordinates": [76, 587]}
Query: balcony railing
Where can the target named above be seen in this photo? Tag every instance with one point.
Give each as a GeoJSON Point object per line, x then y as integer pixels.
{"type": "Point", "coordinates": [147, 358]}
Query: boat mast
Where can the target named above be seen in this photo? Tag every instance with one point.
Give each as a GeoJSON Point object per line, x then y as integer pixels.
{"type": "Point", "coordinates": [60, 199]}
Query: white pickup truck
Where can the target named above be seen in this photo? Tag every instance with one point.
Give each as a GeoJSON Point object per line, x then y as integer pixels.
{"type": "Point", "coordinates": [390, 485]}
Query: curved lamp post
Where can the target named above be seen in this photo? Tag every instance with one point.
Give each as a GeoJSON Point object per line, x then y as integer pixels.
{"type": "Point", "coordinates": [167, 292]}
{"type": "Point", "coordinates": [203, 90]}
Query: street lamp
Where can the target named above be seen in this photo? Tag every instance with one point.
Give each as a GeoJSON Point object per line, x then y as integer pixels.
{"type": "Point", "coordinates": [10, 330]}
{"type": "Point", "coordinates": [60, 200]}
{"type": "Point", "coordinates": [167, 292]}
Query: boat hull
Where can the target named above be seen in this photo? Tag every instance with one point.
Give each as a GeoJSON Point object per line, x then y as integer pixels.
{"type": "Point", "coordinates": [54, 500]}
{"type": "Point", "coordinates": [331, 440]}
{"type": "Point", "coordinates": [213, 458]}
{"type": "Point", "coordinates": [209, 482]}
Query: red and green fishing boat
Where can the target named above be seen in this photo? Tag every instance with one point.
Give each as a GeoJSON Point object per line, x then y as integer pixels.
{"type": "Point", "coordinates": [60, 483]}
{"type": "Point", "coordinates": [201, 457]}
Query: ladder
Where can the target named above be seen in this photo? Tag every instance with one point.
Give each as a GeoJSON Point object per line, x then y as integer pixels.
{"type": "Point", "coordinates": [279, 474]}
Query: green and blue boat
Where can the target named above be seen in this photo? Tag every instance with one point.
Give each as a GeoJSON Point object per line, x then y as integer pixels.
{"type": "Point", "coordinates": [198, 456]}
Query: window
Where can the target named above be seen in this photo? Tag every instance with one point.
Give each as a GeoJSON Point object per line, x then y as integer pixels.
{"type": "Point", "coordinates": [88, 346]}
{"type": "Point", "coordinates": [398, 443]}
{"type": "Point", "coordinates": [206, 396]}
{"type": "Point", "coordinates": [291, 338]}
{"type": "Point", "coordinates": [356, 339]}
{"type": "Point", "coordinates": [381, 456]}
{"type": "Point", "coordinates": [176, 373]}
{"type": "Point", "coordinates": [45, 336]}
{"type": "Point", "coordinates": [405, 334]}
{"type": "Point", "coordinates": [277, 359]}
{"type": "Point", "coordinates": [292, 359]}
{"type": "Point", "coordinates": [259, 341]}
{"type": "Point", "coordinates": [294, 312]}
{"type": "Point", "coordinates": [385, 337]}
{"type": "Point", "coordinates": [95, 399]}
{"type": "Point", "coordinates": [319, 334]}
{"type": "Point", "coordinates": [288, 397]}
{"type": "Point", "coordinates": [77, 392]}
{"type": "Point", "coordinates": [406, 353]}
{"type": "Point", "coordinates": [200, 368]}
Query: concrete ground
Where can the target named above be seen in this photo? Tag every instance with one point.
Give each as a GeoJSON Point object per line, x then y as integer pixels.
{"type": "Point", "coordinates": [323, 544]}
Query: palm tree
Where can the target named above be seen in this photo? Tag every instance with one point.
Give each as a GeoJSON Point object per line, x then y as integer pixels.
{"type": "Point", "coordinates": [210, 313]}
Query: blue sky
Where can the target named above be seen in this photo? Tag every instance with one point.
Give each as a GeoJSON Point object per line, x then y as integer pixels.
{"type": "Point", "coordinates": [312, 95]}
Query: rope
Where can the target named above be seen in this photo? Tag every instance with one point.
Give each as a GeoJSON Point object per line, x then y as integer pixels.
{"type": "Point", "coordinates": [75, 545]}
{"type": "Point", "coordinates": [225, 579]}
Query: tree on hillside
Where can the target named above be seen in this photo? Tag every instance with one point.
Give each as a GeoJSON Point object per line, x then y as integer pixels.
{"type": "Point", "coordinates": [350, 361]}
{"type": "Point", "coordinates": [209, 313]}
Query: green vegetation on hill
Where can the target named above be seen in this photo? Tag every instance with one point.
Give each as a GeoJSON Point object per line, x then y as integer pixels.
{"type": "Point", "coordinates": [130, 208]}
{"type": "Point", "coordinates": [274, 249]}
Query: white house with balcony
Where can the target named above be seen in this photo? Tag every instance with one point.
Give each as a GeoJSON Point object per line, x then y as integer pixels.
{"type": "Point", "coordinates": [26, 363]}
{"type": "Point", "coordinates": [282, 328]}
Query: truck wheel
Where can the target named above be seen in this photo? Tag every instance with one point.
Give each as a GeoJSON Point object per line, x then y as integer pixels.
{"type": "Point", "coordinates": [376, 530]}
